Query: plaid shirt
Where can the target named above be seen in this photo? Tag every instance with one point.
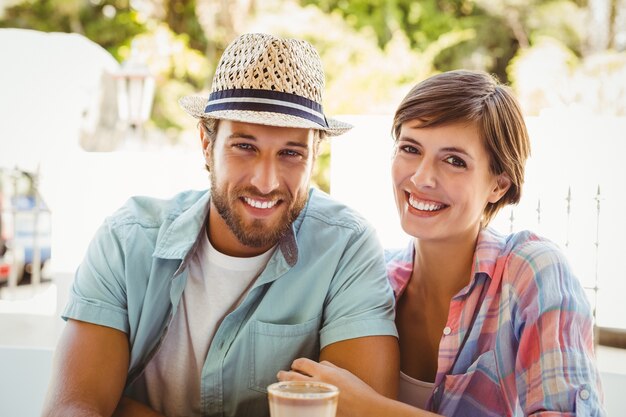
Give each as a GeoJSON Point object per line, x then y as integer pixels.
{"type": "Point", "coordinates": [518, 340]}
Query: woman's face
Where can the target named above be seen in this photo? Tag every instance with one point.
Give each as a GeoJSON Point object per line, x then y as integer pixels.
{"type": "Point", "coordinates": [442, 182]}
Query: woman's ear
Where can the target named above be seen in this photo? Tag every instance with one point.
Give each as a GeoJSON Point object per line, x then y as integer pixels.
{"type": "Point", "coordinates": [502, 185]}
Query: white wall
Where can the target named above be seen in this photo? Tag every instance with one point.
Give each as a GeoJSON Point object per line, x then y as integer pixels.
{"type": "Point", "coordinates": [23, 380]}
{"type": "Point", "coordinates": [51, 89]}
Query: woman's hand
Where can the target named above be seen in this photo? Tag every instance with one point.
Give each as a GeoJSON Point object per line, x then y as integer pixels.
{"type": "Point", "coordinates": [356, 398]}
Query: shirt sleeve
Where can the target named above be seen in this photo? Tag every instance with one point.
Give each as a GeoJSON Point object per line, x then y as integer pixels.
{"type": "Point", "coordinates": [360, 301]}
{"type": "Point", "coordinates": [98, 293]}
{"type": "Point", "coordinates": [555, 366]}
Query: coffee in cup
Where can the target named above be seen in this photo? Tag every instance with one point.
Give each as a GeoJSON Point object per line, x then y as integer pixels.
{"type": "Point", "coordinates": [302, 399]}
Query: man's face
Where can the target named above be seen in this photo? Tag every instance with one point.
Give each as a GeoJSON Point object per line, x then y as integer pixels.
{"type": "Point", "coordinates": [259, 184]}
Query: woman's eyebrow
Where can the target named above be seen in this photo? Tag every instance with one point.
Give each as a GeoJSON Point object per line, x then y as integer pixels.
{"type": "Point", "coordinates": [456, 150]}
{"type": "Point", "coordinates": [408, 139]}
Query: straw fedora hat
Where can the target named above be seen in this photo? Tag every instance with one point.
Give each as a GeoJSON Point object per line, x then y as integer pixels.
{"type": "Point", "coordinates": [270, 81]}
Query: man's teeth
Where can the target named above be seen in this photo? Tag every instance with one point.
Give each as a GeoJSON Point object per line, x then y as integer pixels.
{"type": "Point", "coordinates": [260, 204]}
{"type": "Point", "coordinates": [420, 205]}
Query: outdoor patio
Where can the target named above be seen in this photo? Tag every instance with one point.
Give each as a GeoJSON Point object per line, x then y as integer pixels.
{"type": "Point", "coordinates": [82, 187]}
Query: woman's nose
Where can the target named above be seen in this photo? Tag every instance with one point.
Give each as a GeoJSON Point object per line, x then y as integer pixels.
{"type": "Point", "coordinates": [424, 175]}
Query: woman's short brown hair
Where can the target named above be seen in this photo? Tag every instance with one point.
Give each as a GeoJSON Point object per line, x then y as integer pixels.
{"type": "Point", "coordinates": [477, 97]}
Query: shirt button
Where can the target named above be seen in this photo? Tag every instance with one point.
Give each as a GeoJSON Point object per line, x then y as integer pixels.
{"type": "Point", "coordinates": [447, 330]}
{"type": "Point", "coordinates": [584, 394]}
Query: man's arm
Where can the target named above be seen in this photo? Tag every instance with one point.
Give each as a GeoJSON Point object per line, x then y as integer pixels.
{"type": "Point", "coordinates": [132, 408]}
{"type": "Point", "coordinates": [89, 371]}
{"type": "Point", "coordinates": [374, 359]}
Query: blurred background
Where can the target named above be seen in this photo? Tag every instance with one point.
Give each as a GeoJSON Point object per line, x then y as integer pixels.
{"type": "Point", "coordinates": [89, 117]}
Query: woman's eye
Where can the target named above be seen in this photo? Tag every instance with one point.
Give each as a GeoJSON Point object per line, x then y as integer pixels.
{"type": "Point", "coordinates": [408, 149]}
{"type": "Point", "coordinates": [456, 161]}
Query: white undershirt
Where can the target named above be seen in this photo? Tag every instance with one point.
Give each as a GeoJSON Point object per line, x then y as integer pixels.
{"type": "Point", "coordinates": [216, 284]}
{"type": "Point", "coordinates": [413, 391]}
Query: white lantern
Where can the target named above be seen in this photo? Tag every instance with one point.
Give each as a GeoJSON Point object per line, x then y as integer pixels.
{"type": "Point", "coordinates": [135, 93]}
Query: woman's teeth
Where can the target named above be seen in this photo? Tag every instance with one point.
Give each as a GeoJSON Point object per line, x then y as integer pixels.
{"type": "Point", "coordinates": [424, 206]}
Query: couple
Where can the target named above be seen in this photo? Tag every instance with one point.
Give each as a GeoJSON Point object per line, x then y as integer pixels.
{"type": "Point", "coordinates": [192, 306]}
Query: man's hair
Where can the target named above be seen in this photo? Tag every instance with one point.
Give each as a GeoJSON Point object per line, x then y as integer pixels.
{"type": "Point", "coordinates": [209, 126]}
{"type": "Point", "coordinates": [210, 130]}
{"type": "Point", "coordinates": [475, 97]}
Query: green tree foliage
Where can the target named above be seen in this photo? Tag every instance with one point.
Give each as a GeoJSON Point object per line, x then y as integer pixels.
{"type": "Point", "coordinates": [422, 21]}
{"type": "Point", "coordinates": [181, 18]}
{"type": "Point", "coordinates": [549, 75]}
{"type": "Point", "coordinates": [490, 46]}
{"type": "Point", "coordinates": [109, 23]}
{"type": "Point", "coordinates": [500, 27]}
{"type": "Point", "coordinates": [179, 70]}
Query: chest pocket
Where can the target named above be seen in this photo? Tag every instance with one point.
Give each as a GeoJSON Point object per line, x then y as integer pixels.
{"type": "Point", "coordinates": [274, 346]}
{"type": "Point", "coordinates": [476, 392]}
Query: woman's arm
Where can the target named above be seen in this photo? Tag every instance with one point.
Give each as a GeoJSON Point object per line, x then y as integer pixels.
{"type": "Point", "coordinates": [356, 398]}
{"type": "Point", "coordinates": [555, 365]}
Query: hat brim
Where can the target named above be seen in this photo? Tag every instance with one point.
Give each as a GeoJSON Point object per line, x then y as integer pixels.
{"type": "Point", "coordinates": [195, 105]}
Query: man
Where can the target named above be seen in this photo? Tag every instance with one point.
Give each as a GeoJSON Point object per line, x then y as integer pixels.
{"type": "Point", "coordinates": [191, 306]}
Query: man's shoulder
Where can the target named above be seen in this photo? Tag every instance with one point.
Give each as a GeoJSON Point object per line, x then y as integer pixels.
{"type": "Point", "coordinates": [324, 208]}
{"type": "Point", "coordinates": [151, 212]}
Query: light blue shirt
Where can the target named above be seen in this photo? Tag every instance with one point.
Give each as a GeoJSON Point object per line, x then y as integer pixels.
{"type": "Point", "coordinates": [326, 283]}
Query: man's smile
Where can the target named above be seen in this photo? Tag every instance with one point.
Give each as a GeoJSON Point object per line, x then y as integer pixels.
{"type": "Point", "coordinates": [260, 204]}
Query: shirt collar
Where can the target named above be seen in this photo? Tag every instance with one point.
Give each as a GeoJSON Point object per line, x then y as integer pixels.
{"type": "Point", "coordinates": [177, 238]}
{"type": "Point", "coordinates": [400, 267]}
{"type": "Point", "coordinates": [182, 236]}
{"type": "Point", "coordinates": [489, 246]}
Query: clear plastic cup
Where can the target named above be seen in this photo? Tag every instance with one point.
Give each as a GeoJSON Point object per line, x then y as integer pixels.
{"type": "Point", "coordinates": [302, 399]}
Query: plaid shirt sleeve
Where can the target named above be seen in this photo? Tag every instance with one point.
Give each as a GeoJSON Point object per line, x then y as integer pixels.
{"type": "Point", "coordinates": [555, 372]}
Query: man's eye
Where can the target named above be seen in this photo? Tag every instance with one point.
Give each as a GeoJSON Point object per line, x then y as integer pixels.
{"type": "Point", "coordinates": [289, 152]}
{"type": "Point", "coordinates": [456, 161]}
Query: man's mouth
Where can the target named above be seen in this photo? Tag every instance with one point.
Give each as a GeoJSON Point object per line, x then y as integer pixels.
{"type": "Point", "coordinates": [260, 204]}
{"type": "Point", "coordinates": [425, 205]}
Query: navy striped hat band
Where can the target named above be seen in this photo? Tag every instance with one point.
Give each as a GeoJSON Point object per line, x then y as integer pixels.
{"type": "Point", "coordinates": [266, 100]}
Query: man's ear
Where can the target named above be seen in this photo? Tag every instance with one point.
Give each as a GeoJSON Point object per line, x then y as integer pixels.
{"type": "Point", "coordinates": [206, 144]}
{"type": "Point", "coordinates": [502, 185]}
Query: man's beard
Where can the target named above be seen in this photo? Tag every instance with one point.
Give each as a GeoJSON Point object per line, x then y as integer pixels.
{"type": "Point", "coordinates": [257, 234]}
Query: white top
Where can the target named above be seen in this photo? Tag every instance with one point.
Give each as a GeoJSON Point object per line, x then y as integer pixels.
{"type": "Point", "coordinates": [216, 284]}
{"type": "Point", "coordinates": [413, 391]}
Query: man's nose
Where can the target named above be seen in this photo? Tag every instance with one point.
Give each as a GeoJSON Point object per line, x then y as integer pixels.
{"type": "Point", "coordinates": [265, 176]}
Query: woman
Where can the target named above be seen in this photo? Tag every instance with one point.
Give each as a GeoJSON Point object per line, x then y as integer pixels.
{"type": "Point", "coordinates": [489, 325]}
